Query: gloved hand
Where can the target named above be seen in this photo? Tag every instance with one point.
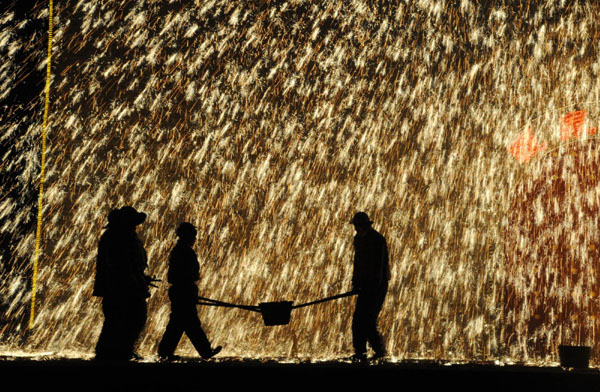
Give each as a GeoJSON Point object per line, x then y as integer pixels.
{"type": "Point", "coordinates": [150, 280]}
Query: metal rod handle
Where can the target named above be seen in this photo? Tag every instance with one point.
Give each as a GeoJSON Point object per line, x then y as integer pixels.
{"type": "Point", "coordinates": [214, 302]}
{"type": "Point", "coordinates": [347, 294]}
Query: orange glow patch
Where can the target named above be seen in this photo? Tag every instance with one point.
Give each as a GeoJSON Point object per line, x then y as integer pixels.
{"type": "Point", "coordinates": [525, 147]}
{"type": "Point", "coordinates": [571, 125]}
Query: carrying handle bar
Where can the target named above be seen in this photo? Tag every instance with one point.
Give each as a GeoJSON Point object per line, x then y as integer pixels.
{"type": "Point", "coordinates": [214, 302]}
{"type": "Point", "coordinates": [347, 294]}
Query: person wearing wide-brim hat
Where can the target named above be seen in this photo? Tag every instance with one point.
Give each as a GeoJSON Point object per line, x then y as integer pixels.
{"type": "Point", "coordinates": [370, 280]}
{"type": "Point", "coordinates": [184, 272]}
{"type": "Point", "coordinates": [122, 284]}
{"type": "Point", "coordinates": [130, 216]}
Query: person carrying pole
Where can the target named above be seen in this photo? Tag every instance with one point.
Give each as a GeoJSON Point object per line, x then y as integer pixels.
{"type": "Point", "coordinates": [370, 281]}
{"type": "Point", "coordinates": [183, 293]}
{"type": "Point", "coordinates": [122, 283]}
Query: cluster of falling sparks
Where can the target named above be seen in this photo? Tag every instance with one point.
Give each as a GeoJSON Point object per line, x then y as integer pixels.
{"type": "Point", "coordinates": [267, 125]}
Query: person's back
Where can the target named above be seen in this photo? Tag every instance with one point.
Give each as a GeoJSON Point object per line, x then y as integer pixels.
{"type": "Point", "coordinates": [103, 264]}
{"type": "Point", "coordinates": [371, 264]}
{"type": "Point", "coordinates": [183, 272]}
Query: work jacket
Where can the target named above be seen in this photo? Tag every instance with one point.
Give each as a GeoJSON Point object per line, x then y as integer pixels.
{"type": "Point", "coordinates": [371, 262]}
{"type": "Point", "coordinates": [120, 265]}
{"type": "Point", "coordinates": [184, 271]}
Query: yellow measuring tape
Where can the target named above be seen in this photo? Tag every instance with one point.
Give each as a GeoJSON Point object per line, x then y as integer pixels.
{"type": "Point", "coordinates": [42, 174]}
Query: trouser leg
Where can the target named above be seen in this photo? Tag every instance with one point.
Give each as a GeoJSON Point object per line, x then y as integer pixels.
{"type": "Point", "coordinates": [193, 330]}
{"type": "Point", "coordinates": [106, 340]}
{"type": "Point", "coordinates": [171, 337]}
{"type": "Point", "coordinates": [375, 338]}
{"type": "Point", "coordinates": [113, 342]}
{"type": "Point", "coordinates": [184, 318]}
{"type": "Point", "coordinates": [359, 337]}
{"type": "Point", "coordinates": [136, 323]}
{"type": "Point", "coordinates": [364, 321]}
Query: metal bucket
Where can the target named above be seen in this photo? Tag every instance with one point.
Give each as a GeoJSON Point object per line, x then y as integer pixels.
{"type": "Point", "coordinates": [574, 356]}
{"type": "Point", "coordinates": [276, 313]}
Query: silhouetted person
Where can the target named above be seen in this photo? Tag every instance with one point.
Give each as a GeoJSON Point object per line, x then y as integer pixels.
{"type": "Point", "coordinates": [183, 293]}
{"type": "Point", "coordinates": [370, 280]}
{"type": "Point", "coordinates": [122, 283]}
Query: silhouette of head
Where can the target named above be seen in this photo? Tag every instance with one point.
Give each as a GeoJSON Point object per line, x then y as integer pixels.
{"type": "Point", "coordinates": [129, 216]}
{"type": "Point", "coordinates": [361, 223]}
{"type": "Point", "coordinates": [113, 218]}
{"type": "Point", "coordinates": [361, 219]}
{"type": "Point", "coordinates": [186, 232]}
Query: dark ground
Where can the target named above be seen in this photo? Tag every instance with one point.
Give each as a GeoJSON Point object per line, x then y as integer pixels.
{"type": "Point", "coordinates": [226, 374]}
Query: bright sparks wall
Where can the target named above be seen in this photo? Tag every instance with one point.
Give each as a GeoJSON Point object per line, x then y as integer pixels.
{"type": "Point", "coordinates": [267, 125]}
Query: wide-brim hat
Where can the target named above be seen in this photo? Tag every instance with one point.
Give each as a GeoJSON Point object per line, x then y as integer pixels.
{"type": "Point", "coordinates": [128, 214]}
{"type": "Point", "coordinates": [361, 219]}
{"type": "Point", "coordinates": [113, 218]}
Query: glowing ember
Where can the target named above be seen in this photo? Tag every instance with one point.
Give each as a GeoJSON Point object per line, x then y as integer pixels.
{"type": "Point", "coordinates": [267, 125]}
{"type": "Point", "coordinates": [571, 125]}
{"type": "Point", "coordinates": [525, 147]}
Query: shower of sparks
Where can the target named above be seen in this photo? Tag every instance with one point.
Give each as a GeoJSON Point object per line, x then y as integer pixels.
{"type": "Point", "coordinates": [268, 124]}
